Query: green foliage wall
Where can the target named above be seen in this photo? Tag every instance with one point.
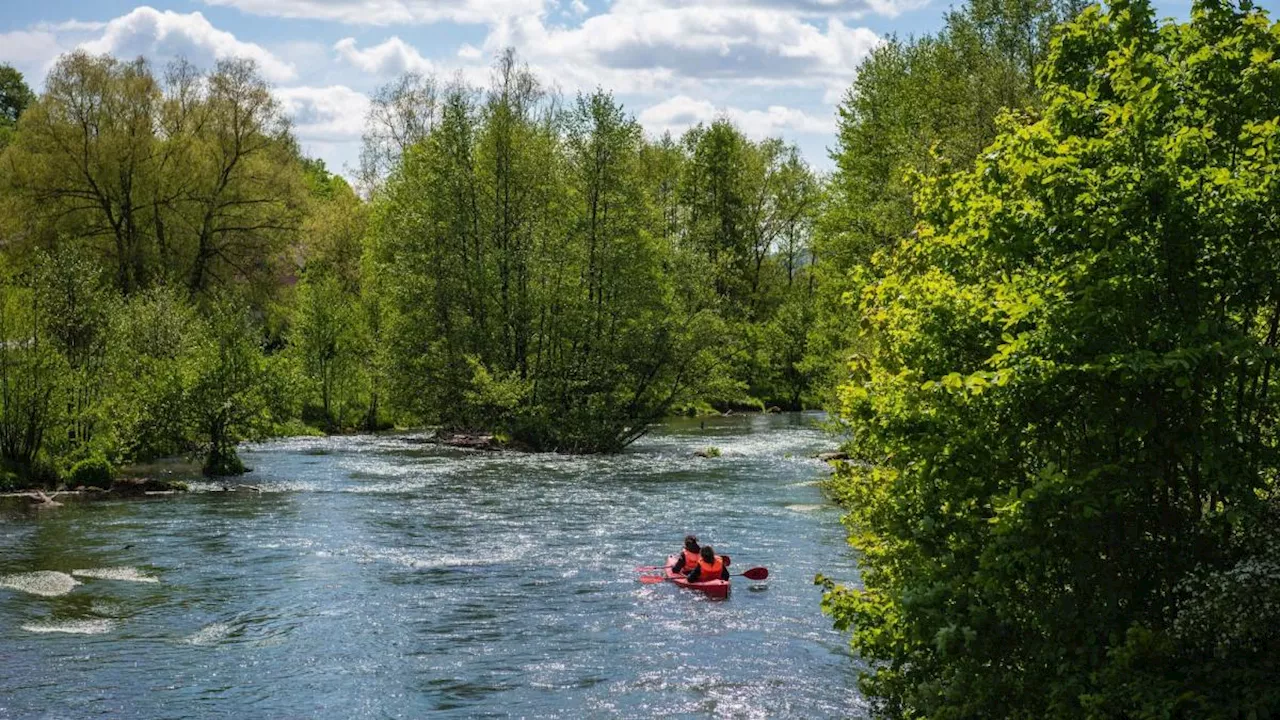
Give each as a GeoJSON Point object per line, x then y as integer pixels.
{"type": "Point", "coordinates": [1063, 403]}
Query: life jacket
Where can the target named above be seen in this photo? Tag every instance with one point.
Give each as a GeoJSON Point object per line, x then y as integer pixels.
{"type": "Point", "coordinates": [691, 560]}
{"type": "Point", "coordinates": [710, 570]}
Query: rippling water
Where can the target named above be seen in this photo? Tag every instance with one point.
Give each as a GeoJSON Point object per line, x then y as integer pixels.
{"type": "Point", "coordinates": [379, 577]}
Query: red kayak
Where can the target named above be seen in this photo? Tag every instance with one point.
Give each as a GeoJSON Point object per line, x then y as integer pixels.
{"type": "Point", "coordinates": [713, 588]}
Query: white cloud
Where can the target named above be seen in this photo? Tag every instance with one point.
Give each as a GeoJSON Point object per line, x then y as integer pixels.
{"type": "Point", "coordinates": [393, 57]}
{"type": "Point", "coordinates": [29, 51]}
{"type": "Point", "coordinates": [388, 12]}
{"type": "Point", "coordinates": [802, 8]}
{"type": "Point", "coordinates": [165, 34]}
{"type": "Point", "coordinates": [72, 26]}
{"type": "Point", "coordinates": [682, 112]}
{"type": "Point", "coordinates": [640, 47]}
{"type": "Point", "coordinates": [332, 114]}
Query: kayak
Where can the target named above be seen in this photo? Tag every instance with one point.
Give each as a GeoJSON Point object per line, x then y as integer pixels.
{"type": "Point", "coordinates": [713, 588]}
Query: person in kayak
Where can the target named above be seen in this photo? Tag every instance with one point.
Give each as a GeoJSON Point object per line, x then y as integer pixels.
{"type": "Point", "coordinates": [689, 556]}
{"type": "Point", "coordinates": [710, 566]}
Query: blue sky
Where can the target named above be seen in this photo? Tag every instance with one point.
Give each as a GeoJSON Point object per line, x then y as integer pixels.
{"type": "Point", "coordinates": [776, 67]}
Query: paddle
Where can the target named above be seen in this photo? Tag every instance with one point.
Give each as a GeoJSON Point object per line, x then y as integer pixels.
{"type": "Point", "coordinates": [755, 573]}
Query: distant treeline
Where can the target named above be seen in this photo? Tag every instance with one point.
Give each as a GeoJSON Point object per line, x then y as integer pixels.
{"type": "Point", "coordinates": [177, 277]}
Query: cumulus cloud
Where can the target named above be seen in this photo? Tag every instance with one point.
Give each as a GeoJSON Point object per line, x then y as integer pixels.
{"type": "Point", "coordinates": [325, 114]}
{"type": "Point", "coordinates": [30, 52]}
{"type": "Point", "coordinates": [682, 112]}
{"type": "Point", "coordinates": [803, 8]}
{"type": "Point", "coordinates": [166, 34]}
{"type": "Point", "coordinates": [393, 57]}
{"type": "Point", "coordinates": [388, 12]}
{"type": "Point", "coordinates": [696, 42]}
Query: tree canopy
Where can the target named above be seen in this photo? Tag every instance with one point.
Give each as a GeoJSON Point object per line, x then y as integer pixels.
{"type": "Point", "coordinates": [1062, 405]}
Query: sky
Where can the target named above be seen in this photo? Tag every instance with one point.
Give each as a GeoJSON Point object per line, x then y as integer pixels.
{"type": "Point", "coordinates": [775, 67]}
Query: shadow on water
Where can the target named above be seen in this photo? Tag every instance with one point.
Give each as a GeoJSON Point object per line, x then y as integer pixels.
{"type": "Point", "coordinates": [379, 577]}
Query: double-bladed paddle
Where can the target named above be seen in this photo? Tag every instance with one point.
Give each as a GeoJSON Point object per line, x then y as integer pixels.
{"type": "Point", "coordinates": [755, 573]}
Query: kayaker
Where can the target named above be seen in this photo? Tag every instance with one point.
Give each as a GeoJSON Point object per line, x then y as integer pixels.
{"type": "Point", "coordinates": [709, 567]}
{"type": "Point", "coordinates": [689, 556]}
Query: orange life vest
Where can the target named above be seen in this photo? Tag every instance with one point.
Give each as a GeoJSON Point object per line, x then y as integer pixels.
{"type": "Point", "coordinates": [691, 560]}
{"type": "Point", "coordinates": [710, 570]}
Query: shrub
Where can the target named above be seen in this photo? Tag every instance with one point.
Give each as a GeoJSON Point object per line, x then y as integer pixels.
{"type": "Point", "coordinates": [92, 472]}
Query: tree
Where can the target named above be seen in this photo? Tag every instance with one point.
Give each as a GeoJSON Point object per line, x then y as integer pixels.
{"type": "Point", "coordinates": [1063, 409]}
{"type": "Point", "coordinates": [231, 392]}
{"type": "Point", "coordinates": [533, 286]}
{"type": "Point", "coordinates": [154, 339]}
{"type": "Point", "coordinates": [192, 180]}
{"type": "Point", "coordinates": [401, 114]}
{"type": "Point", "coordinates": [918, 105]}
{"type": "Point", "coordinates": [29, 371]}
{"type": "Point", "coordinates": [15, 96]}
{"type": "Point", "coordinates": [75, 315]}
{"type": "Point", "coordinates": [326, 337]}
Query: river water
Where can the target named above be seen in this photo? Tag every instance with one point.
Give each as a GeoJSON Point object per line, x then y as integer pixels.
{"type": "Point", "coordinates": [378, 577]}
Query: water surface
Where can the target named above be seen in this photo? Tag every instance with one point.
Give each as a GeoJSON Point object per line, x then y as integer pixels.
{"type": "Point", "coordinates": [378, 577]}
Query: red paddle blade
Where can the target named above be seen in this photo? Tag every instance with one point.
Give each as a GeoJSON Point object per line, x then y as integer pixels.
{"type": "Point", "coordinates": [651, 579]}
{"type": "Point", "coordinates": [757, 573]}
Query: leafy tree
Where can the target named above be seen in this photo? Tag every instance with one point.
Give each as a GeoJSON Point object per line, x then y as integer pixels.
{"type": "Point", "coordinates": [326, 338]}
{"type": "Point", "coordinates": [75, 311]}
{"type": "Point", "coordinates": [401, 114]}
{"type": "Point", "coordinates": [232, 393]}
{"type": "Point", "coordinates": [30, 394]}
{"type": "Point", "coordinates": [191, 180]}
{"type": "Point", "coordinates": [155, 336]}
{"type": "Point", "coordinates": [1063, 407]}
{"type": "Point", "coordinates": [15, 96]}
{"type": "Point", "coordinates": [926, 104]}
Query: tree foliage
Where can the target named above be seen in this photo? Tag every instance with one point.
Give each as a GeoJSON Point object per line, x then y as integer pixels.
{"type": "Point", "coordinates": [186, 180]}
{"type": "Point", "coordinates": [554, 275]}
{"type": "Point", "coordinates": [15, 96]}
{"type": "Point", "coordinates": [1063, 402]}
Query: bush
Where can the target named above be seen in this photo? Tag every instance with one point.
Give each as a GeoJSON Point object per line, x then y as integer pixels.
{"type": "Point", "coordinates": [93, 472]}
{"type": "Point", "coordinates": [43, 474]}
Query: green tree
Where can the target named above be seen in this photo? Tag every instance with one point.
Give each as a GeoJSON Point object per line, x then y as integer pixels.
{"type": "Point", "coordinates": [15, 96]}
{"type": "Point", "coordinates": [1063, 407]}
{"type": "Point", "coordinates": [929, 105]}
{"type": "Point", "coordinates": [30, 394]}
{"type": "Point", "coordinates": [76, 310]}
{"type": "Point", "coordinates": [189, 179]}
{"type": "Point", "coordinates": [151, 365]}
{"type": "Point", "coordinates": [232, 387]}
{"type": "Point", "coordinates": [326, 337]}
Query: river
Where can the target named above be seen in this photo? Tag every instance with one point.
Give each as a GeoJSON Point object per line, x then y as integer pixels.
{"type": "Point", "coordinates": [378, 577]}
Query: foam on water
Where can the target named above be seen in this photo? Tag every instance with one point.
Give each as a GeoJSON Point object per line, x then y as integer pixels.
{"type": "Point", "coordinates": [126, 574]}
{"type": "Point", "coordinates": [73, 627]}
{"type": "Point", "coordinates": [45, 583]}
{"type": "Point", "coordinates": [209, 635]}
